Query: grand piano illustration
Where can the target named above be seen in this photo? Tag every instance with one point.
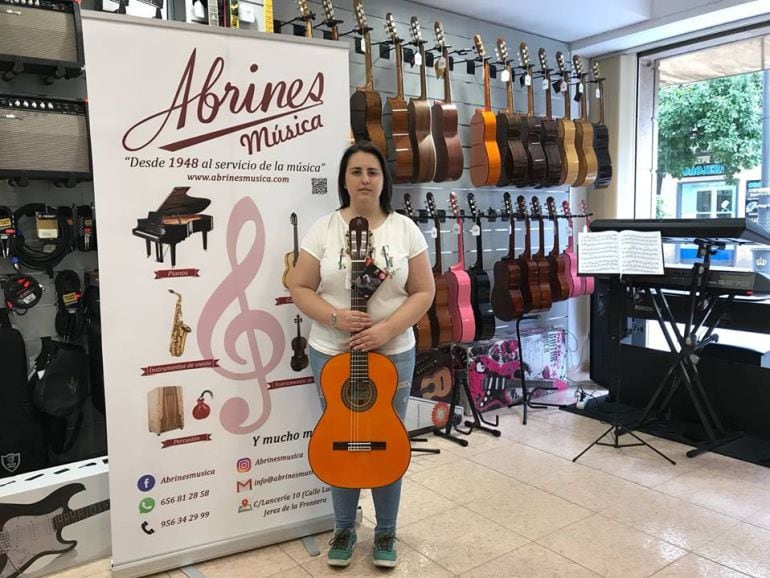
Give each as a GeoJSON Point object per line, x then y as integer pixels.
{"type": "Point", "coordinates": [176, 219]}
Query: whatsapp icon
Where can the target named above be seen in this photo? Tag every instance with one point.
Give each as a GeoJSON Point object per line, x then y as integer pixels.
{"type": "Point", "coordinates": [146, 506]}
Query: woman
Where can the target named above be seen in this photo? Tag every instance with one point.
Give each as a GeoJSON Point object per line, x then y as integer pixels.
{"type": "Point", "coordinates": [320, 288]}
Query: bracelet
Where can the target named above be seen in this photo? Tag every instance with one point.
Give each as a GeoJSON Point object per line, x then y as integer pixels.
{"type": "Point", "coordinates": [333, 323]}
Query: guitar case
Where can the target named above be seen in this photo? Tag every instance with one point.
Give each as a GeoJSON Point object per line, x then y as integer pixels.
{"type": "Point", "coordinates": [22, 443]}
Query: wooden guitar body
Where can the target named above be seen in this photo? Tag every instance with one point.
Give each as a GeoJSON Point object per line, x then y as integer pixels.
{"type": "Point", "coordinates": [366, 118]}
{"type": "Point", "coordinates": [530, 284]}
{"type": "Point", "coordinates": [546, 299]}
{"type": "Point", "coordinates": [395, 120]}
{"type": "Point", "coordinates": [550, 142]}
{"type": "Point", "coordinates": [424, 153]}
{"type": "Point", "coordinates": [557, 277]}
{"type": "Point", "coordinates": [424, 330]}
{"type": "Point", "coordinates": [513, 155]}
{"type": "Point", "coordinates": [441, 311]}
{"type": "Point", "coordinates": [480, 302]}
{"type": "Point", "coordinates": [584, 142]}
{"type": "Point", "coordinates": [449, 150]}
{"type": "Point", "coordinates": [376, 422]}
{"type": "Point", "coordinates": [603, 159]}
{"type": "Point", "coordinates": [485, 156]}
{"type": "Point", "coordinates": [570, 163]}
{"type": "Point", "coordinates": [461, 311]}
{"type": "Point", "coordinates": [530, 129]}
{"type": "Point", "coordinates": [507, 297]}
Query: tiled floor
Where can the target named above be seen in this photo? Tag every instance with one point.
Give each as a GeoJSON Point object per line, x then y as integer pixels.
{"type": "Point", "coordinates": [517, 506]}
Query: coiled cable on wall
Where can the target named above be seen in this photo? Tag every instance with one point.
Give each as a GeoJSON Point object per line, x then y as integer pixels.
{"type": "Point", "coordinates": [47, 253]}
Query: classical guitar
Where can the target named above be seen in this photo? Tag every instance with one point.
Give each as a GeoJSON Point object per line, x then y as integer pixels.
{"type": "Point", "coordinates": [530, 274]}
{"type": "Point", "coordinates": [485, 156]}
{"type": "Point", "coordinates": [513, 155]}
{"type": "Point", "coordinates": [366, 103]}
{"type": "Point", "coordinates": [576, 283]}
{"type": "Point", "coordinates": [550, 128]}
{"type": "Point", "coordinates": [424, 152]}
{"type": "Point", "coordinates": [440, 308]}
{"type": "Point", "coordinates": [426, 328]}
{"type": "Point", "coordinates": [557, 271]}
{"type": "Point", "coordinates": [543, 266]}
{"type": "Point", "coordinates": [601, 137]}
{"type": "Point", "coordinates": [507, 297]}
{"type": "Point", "coordinates": [584, 131]}
{"type": "Point", "coordinates": [570, 164]}
{"type": "Point", "coordinates": [480, 286]}
{"type": "Point", "coordinates": [459, 286]}
{"type": "Point", "coordinates": [29, 531]}
{"type": "Point", "coordinates": [588, 281]}
{"type": "Point", "coordinates": [531, 125]}
{"type": "Point", "coordinates": [307, 16]}
{"type": "Point", "coordinates": [449, 150]}
{"type": "Point", "coordinates": [395, 117]}
{"type": "Point", "coordinates": [435, 381]}
{"type": "Point", "coordinates": [290, 259]}
{"type": "Point", "coordinates": [359, 441]}
{"type": "Point", "coordinates": [299, 359]}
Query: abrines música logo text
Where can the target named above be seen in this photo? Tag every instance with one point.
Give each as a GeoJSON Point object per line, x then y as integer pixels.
{"type": "Point", "coordinates": [267, 114]}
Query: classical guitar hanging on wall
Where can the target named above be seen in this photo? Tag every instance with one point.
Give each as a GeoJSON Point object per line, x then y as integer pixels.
{"type": "Point", "coordinates": [424, 157]}
{"type": "Point", "coordinates": [449, 150]}
{"type": "Point", "coordinates": [601, 137]}
{"type": "Point", "coordinates": [513, 155]}
{"type": "Point", "coordinates": [584, 131]}
{"type": "Point", "coordinates": [485, 156]}
{"type": "Point", "coordinates": [531, 125]}
{"type": "Point", "coordinates": [570, 164]}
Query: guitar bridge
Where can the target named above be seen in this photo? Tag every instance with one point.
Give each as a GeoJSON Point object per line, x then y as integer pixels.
{"type": "Point", "coordinates": [358, 446]}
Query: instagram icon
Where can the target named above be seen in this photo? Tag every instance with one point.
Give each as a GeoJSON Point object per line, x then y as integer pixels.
{"type": "Point", "coordinates": [244, 465]}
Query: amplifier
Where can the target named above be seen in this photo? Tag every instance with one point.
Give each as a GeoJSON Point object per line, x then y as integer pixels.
{"type": "Point", "coordinates": [41, 37]}
{"type": "Point", "coordinates": [44, 138]}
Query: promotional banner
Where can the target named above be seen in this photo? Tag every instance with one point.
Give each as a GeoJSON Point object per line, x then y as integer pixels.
{"type": "Point", "coordinates": [213, 153]}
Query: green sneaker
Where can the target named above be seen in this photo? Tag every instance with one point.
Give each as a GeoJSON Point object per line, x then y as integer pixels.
{"type": "Point", "coordinates": [342, 545]}
{"type": "Point", "coordinates": [385, 550]}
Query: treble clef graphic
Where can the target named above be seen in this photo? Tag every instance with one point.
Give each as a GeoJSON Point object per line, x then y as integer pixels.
{"type": "Point", "coordinates": [233, 287]}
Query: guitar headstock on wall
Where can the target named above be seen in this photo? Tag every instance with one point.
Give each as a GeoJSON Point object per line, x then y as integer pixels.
{"type": "Point", "coordinates": [358, 8]}
{"type": "Point", "coordinates": [542, 56]}
{"type": "Point", "coordinates": [567, 212]}
{"type": "Point", "coordinates": [537, 211]}
{"type": "Point", "coordinates": [431, 204]}
{"type": "Point", "coordinates": [329, 18]}
{"type": "Point", "coordinates": [307, 16]}
{"type": "Point", "coordinates": [408, 209]}
{"type": "Point", "coordinates": [478, 44]}
{"type": "Point", "coordinates": [577, 67]}
{"type": "Point", "coordinates": [455, 207]}
{"type": "Point", "coordinates": [414, 24]}
{"type": "Point", "coordinates": [474, 209]}
{"type": "Point", "coordinates": [524, 61]}
{"type": "Point", "coordinates": [551, 205]}
{"type": "Point", "coordinates": [440, 37]}
{"type": "Point", "coordinates": [584, 211]}
{"type": "Point", "coordinates": [508, 205]}
{"type": "Point", "coordinates": [521, 206]}
{"type": "Point", "coordinates": [390, 28]}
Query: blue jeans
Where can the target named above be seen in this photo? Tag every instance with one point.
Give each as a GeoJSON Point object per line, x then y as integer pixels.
{"type": "Point", "coordinates": [386, 498]}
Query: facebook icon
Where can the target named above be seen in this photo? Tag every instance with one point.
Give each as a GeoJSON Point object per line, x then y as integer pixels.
{"type": "Point", "coordinates": [146, 483]}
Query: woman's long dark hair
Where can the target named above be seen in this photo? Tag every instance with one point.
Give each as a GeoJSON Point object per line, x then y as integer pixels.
{"type": "Point", "coordinates": [387, 183]}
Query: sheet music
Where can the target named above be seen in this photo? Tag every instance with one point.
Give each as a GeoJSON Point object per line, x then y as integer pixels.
{"type": "Point", "coordinates": [641, 253]}
{"type": "Point", "coordinates": [598, 253]}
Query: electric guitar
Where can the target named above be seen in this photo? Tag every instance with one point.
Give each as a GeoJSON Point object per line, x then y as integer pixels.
{"type": "Point", "coordinates": [299, 359]}
{"type": "Point", "coordinates": [480, 285]}
{"type": "Point", "coordinates": [507, 296]}
{"type": "Point", "coordinates": [290, 259]}
{"type": "Point", "coordinates": [29, 531]}
{"type": "Point", "coordinates": [485, 156]}
{"type": "Point", "coordinates": [584, 132]}
{"type": "Point", "coordinates": [513, 155]}
{"type": "Point", "coordinates": [395, 117]}
{"type": "Point", "coordinates": [424, 157]}
{"type": "Point", "coordinates": [575, 281]}
{"type": "Point", "coordinates": [459, 286]}
{"type": "Point", "coordinates": [601, 138]}
{"type": "Point", "coordinates": [359, 441]}
{"type": "Point", "coordinates": [531, 126]}
{"type": "Point", "coordinates": [449, 150]}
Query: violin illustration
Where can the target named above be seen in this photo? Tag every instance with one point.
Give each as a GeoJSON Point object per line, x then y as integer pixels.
{"type": "Point", "coordinates": [299, 359]}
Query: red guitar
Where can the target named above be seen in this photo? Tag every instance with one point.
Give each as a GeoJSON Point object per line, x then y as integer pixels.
{"type": "Point", "coordinates": [588, 287]}
{"type": "Point", "coordinates": [574, 280]}
{"type": "Point", "coordinates": [459, 286]}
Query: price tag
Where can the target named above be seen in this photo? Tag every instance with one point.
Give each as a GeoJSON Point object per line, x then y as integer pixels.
{"type": "Point", "coordinates": [5, 223]}
{"type": "Point", "coordinates": [527, 79]}
{"type": "Point", "coordinates": [433, 233]}
{"type": "Point", "coordinates": [580, 88]}
{"type": "Point", "coordinates": [47, 225]}
{"type": "Point", "coordinates": [441, 63]}
{"type": "Point", "coordinates": [456, 227]}
{"type": "Point", "coordinates": [505, 75]}
{"type": "Point", "coordinates": [563, 87]}
{"type": "Point", "coordinates": [545, 84]}
{"type": "Point", "coordinates": [417, 59]}
{"type": "Point", "coordinates": [363, 46]}
{"type": "Point", "coordinates": [475, 230]}
{"type": "Point", "coordinates": [598, 92]}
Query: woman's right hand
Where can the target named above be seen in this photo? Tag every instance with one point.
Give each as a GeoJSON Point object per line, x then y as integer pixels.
{"type": "Point", "coordinates": [352, 321]}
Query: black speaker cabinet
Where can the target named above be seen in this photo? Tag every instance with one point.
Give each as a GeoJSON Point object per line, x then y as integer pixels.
{"type": "Point", "coordinates": [44, 138]}
{"type": "Point", "coordinates": [41, 37]}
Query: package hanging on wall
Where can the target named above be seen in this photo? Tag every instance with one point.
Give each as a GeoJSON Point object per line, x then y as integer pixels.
{"type": "Point", "coordinates": [41, 37]}
{"type": "Point", "coordinates": [44, 138]}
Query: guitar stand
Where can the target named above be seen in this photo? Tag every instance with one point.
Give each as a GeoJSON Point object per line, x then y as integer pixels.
{"type": "Point", "coordinates": [424, 450]}
{"type": "Point", "coordinates": [615, 314]}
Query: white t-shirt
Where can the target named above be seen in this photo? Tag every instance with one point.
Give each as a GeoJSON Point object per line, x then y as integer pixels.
{"type": "Point", "coordinates": [393, 243]}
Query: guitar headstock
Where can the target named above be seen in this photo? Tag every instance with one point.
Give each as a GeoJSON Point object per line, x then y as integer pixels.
{"type": "Point", "coordinates": [304, 10]}
{"type": "Point", "coordinates": [507, 206]}
{"type": "Point", "coordinates": [567, 212]}
{"type": "Point", "coordinates": [502, 51]}
{"type": "Point", "coordinates": [358, 238]}
{"type": "Point", "coordinates": [390, 28]}
{"type": "Point", "coordinates": [551, 205]}
{"type": "Point", "coordinates": [293, 219]}
{"type": "Point", "coordinates": [543, 58]}
{"type": "Point", "coordinates": [537, 211]}
{"type": "Point", "coordinates": [455, 206]}
{"type": "Point", "coordinates": [521, 205]}
{"type": "Point", "coordinates": [328, 10]}
{"type": "Point", "coordinates": [416, 32]}
{"type": "Point", "coordinates": [472, 205]}
{"type": "Point", "coordinates": [478, 44]}
{"type": "Point", "coordinates": [524, 56]}
{"type": "Point", "coordinates": [597, 73]}
{"type": "Point", "coordinates": [577, 66]}
{"type": "Point", "coordinates": [358, 8]}
{"type": "Point", "coordinates": [298, 319]}
{"type": "Point", "coordinates": [584, 211]}
{"type": "Point", "coordinates": [440, 37]}
{"type": "Point", "coordinates": [431, 204]}
{"type": "Point", "coordinates": [562, 64]}
{"type": "Point", "coordinates": [408, 206]}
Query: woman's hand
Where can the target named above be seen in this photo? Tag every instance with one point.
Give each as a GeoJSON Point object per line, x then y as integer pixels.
{"type": "Point", "coordinates": [352, 321]}
{"type": "Point", "coordinates": [372, 338]}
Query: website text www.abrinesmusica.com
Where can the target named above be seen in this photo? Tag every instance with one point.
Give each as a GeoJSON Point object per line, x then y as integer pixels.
{"type": "Point", "coordinates": [238, 178]}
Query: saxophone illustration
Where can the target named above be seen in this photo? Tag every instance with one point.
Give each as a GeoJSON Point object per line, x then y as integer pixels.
{"type": "Point", "coordinates": [179, 329]}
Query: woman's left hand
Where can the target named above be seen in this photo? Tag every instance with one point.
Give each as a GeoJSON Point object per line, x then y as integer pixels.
{"type": "Point", "coordinates": [372, 338]}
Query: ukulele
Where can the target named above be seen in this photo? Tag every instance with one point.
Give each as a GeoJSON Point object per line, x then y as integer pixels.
{"type": "Point", "coordinates": [306, 15]}
{"type": "Point", "coordinates": [584, 132]}
{"type": "Point", "coordinates": [459, 286]}
{"type": "Point", "coordinates": [425, 328]}
{"type": "Point", "coordinates": [424, 157]}
{"type": "Point", "coordinates": [359, 441]}
{"type": "Point", "coordinates": [513, 155]}
{"type": "Point", "coordinates": [395, 117]}
{"type": "Point", "coordinates": [576, 282]}
{"type": "Point", "coordinates": [531, 125]}
{"type": "Point", "coordinates": [530, 282]}
{"type": "Point", "coordinates": [440, 308]}
{"type": "Point", "coordinates": [449, 150]}
{"type": "Point", "coordinates": [299, 359]}
{"type": "Point", "coordinates": [507, 296]}
{"type": "Point", "coordinates": [480, 286]}
{"type": "Point", "coordinates": [550, 129]}
{"type": "Point", "coordinates": [542, 263]}
{"type": "Point", "coordinates": [365, 103]}
{"type": "Point", "coordinates": [557, 271]}
{"type": "Point", "coordinates": [570, 164]}
{"type": "Point", "coordinates": [601, 138]}
{"type": "Point", "coordinates": [485, 156]}
{"type": "Point", "coordinates": [588, 281]}
{"type": "Point", "coordinates": [290, 259]}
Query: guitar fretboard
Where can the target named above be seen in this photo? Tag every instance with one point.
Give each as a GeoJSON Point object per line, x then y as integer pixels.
{"type": "Point", "coordinates": [359, 360]}
{"type": "Point", "coordinates": [66, 518]}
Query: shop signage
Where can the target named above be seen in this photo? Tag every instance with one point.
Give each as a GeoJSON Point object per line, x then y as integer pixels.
{"type": "Point", "coordinates": [204, 144]}
{"type": "Point", "coordinates": [705, 170]}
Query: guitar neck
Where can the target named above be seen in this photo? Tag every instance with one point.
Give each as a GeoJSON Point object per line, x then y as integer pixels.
{"type": "Point", "coordinates": [267, 13]}
{"type": "Point", "coordinates": [399, 71]}
{"type": "Point", "coordinates": [447, 84]}
{"type": "Point", "coordinates": [512, 238]}
{"type": "Point", "coordinates": [479, 264]}
{"type": "Point", "coordinates": [540, 238]}
{"type": "Point", "coordinates": [423, 76]}
{"type": "Point", "coordinates": [555, 250]}
{"type": "Point", "coordinates": [296, 245]}
{"type": "Point", "coordinates": [67, 518]}
{"type": "Point", "coordinates": [601, 102]}
{"type": "Point", "coordinates": [567, 98]}
{"type": "Point", "coordinates": [359, 360]}
{"type": "Point", "coordinates": [527, 238]}
{"type": "Point", "coordinates": [584, 99]}
{"type": "Point", "coordinates": [460, 245]}
{"type": "Point", "coordinates": [437, 268]}
{"type": "Point", "coordinates": [530, 94]}
{"type": "Point", "coordinates": [487, 95]}
{"type": "Point", "coordinates": [368, 61]}
{"type": "Point", "coordinates": [510, 106]}
{"type": "Point", "coordinates": [548, 108]}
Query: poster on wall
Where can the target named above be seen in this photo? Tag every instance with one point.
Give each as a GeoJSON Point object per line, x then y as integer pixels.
{"type": "Point", "coordinates": [213, 153]}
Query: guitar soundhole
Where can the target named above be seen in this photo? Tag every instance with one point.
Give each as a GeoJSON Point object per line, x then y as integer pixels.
{"type": "Point", "coordinates": [359, 397]}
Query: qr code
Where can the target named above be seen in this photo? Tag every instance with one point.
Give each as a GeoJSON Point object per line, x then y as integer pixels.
{"type": "Point", "coordinates": [319, 186]}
